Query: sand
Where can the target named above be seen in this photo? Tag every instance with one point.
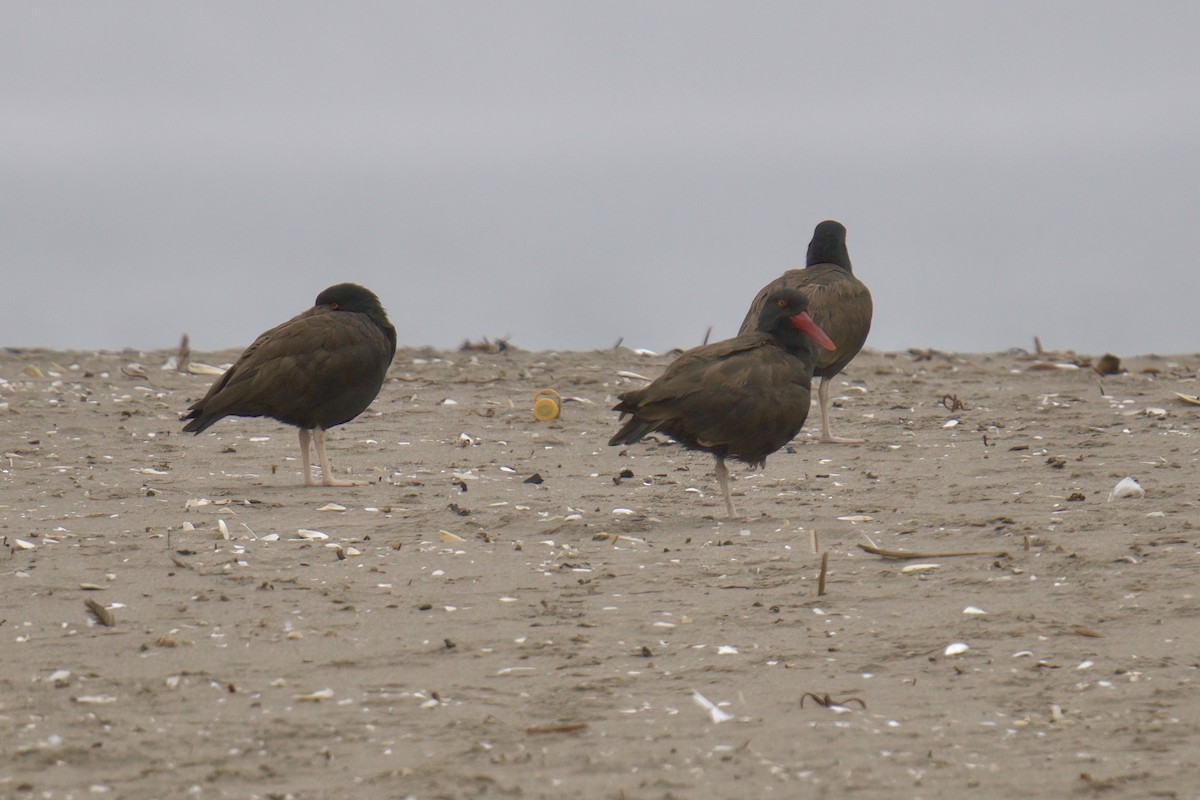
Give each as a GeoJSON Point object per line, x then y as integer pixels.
{"type": "Point", "coordinates": [465, 632]}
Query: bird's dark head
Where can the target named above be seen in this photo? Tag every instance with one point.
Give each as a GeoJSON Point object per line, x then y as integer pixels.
{"type": "Point", "coordinates": [828, 245]}
{"type": "Point", "coordinates": [786, 313]}
{"type": "Point", "coordinates": [350, 297]}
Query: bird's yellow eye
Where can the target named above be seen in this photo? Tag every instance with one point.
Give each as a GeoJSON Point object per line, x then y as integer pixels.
{"type": "Point", "coordinates": [781, 303]}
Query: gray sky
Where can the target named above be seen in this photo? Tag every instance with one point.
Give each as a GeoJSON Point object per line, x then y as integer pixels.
{"type": "Point", "coordinates": [569, 173]}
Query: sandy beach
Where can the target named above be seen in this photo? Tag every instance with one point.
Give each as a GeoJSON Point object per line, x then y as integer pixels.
{"type": "Point", "coordinates": [511, 608]}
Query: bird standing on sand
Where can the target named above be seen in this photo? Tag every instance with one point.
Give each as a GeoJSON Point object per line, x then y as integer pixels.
{"type": "Point", "coordinates": [839, 302]}
{"type": "Point", "coordinates": [742, 398]}
{"type": "Point", "coordinates": [321, 368]}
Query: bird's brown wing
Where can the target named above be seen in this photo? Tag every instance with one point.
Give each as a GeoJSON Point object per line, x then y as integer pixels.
{"type": "Point", "coordinates": [315, 370]}
{"type": "Point", "coordinates": [743, 397]}
{"type": "Point", "coordinates": [837, 301]}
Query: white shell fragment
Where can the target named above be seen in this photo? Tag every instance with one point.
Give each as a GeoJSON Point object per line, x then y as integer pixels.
{"type": "Point", "coordinates": [447, 536]}
{"type": "Point", "coordinates": [322, 694]}
{"type": "Point", "coordinates": [24, 545]}
{"type": "Point", "coordinates": [332, 507]}
{"type": "Point", "coordinates": [716, 714]}
{"type": "Point", "coordinates": [1188, 398]}
{"type": "Point", "coordinates": [920, 567]}
{"type": "Point", "coordinates": [972, 611]}
{"type": "Point", "coordinates": [304, 533]}
{"type": "Point", "coordinates": [957, 648]}
{"type": "Point", "coordinates": [856, 518]}
{"type": "Point", "coordinates": [1126, 487]}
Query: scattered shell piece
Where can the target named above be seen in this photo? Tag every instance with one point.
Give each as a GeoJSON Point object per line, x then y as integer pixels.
{"type": "Point", "coordinates": [222, 529]}
{"type": "Point", "coordinates": [950, 423]}
{"type": "Point", "coordinates": [856, 518]}
{"type": "Point", "coordinates": [957, 648]}
{"type": "Point", "coordinates": [204, 369]}
{"type": "Point", "coordinates": [1188, 398]}
{"type": "Point", "coordinates": [24, 545]}
{"type": "Point", "coordinates": [622, 511]}
{"type": "Point", "coordinates": [305, 533]}
{"type": "Point", "coordinates": [727, 650]}
{"type": "Point", "coordinates": [60, 677]}
{"type": "Point", "coordinates": [624, 373]}
{"type": "Point", "coordinates": [270, 537]}
{"type": "Point", "coordinates": [615, 538]}
{"type": "Point", "coordinates": [102, 614]}
{"type": "Point", "coordinates": [1126, 487]}
{"type": "Point", "coordinates": [331, 507]}
{"type": "Point", "coordinates": [95, 699]}
{"type": "Point", "coordinates": [716, 714]}
{"type": "Point", "coordinates": [32, 371]}
{"type": "Point", "coordinates": [973, 611]}
{"type": "Point", "coordinates": [317, 696]}
{"type": "Point", "coordinates": [92, 587]}
{"type": "Point", "coordinates": [920, 567]}
{"type": "Point", "coordinates": [196, 502]}
{"type": "Point", "coordinates": [447, 536]}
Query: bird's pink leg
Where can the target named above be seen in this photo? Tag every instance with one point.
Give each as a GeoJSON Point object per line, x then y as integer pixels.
{"type": "Point", "coordinates": [326, 470]}
{"type": "Point", "coordinates": [305, 463]}
{"type": "Point", "coordinates": [827, 435]}
{"type": "Point", "coordinates": [723, 479]}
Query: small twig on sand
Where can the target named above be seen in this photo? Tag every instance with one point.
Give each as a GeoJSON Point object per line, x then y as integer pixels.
{"type": "Point", "coordinates": [184, 354]}
{"type": "Point", "coordinates": [824, 570]}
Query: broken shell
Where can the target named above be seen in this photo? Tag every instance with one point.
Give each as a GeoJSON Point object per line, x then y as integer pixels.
{"type": "Point", "coordinates": [24, 545]}
{"type": "Point", "coordinates": [957, 648]}
{"type": "Point", "coordinates": [304, 533]}
{"type": "Point", "coordinates": [331, 507]}
{"type": "Point", "coordinates": [322, 694]}
{"type": "Point", "coordinates": [1126, 487]}
{"type": "Point", "coordinates": [920, 567]}
{"type": "Point", "coordinates": [447, 536]}
{"type": "Point", "coordinates": [1188, 398]}
{"type": "Point", "coordinates": [856, 518]}
{"type": "Point", "coordinates": [716, 714]}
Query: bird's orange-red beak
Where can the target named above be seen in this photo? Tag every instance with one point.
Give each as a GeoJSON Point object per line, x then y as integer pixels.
{"type": "Point", "coordinates": [803, 322]}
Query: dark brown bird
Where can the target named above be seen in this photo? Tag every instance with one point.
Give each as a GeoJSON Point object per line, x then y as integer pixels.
{"type": "Point", "coordinates": [321, 368]}
{"type": "Point", "coordinates": [742, 398]}
{"type": "Point", "coordinates": [839, 302]}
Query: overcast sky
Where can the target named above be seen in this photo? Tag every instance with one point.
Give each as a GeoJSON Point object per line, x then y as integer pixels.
{"type": "Point", "coordinates": [568, 173]}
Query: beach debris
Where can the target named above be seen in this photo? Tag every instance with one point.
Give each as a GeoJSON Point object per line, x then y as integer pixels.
{"type": "Point", "coordinates": [624, 373]}
{"type": "Point", "coordinates": [134, 371]}
{"type": "Point", "coordinates": [196, 368]}
{"type": "Point", "coordinates": [920, 567]}
{"type": "Point", "coordinates": [1108, 364]}
{"type": "Point", "coordinates": [547, 404]}
{"type": "Point", "coordinates": [447, 536]}
{"type": "Point", "coordinates": [972, 611]}
{"type": "Point", "coordinates": [486, 345]}
{"type": "Point", "coordinates": [1126, 487]}
{"type": "Point", "coordinates": [956, 648]}
{"type": "Point", "coordinates": [570, 727]}
{"type": "Point", "coordinates": [874, 549]}
{"type": "Point", "coordinates": [616, 538]}
{"type": "Point", "coordinates": [1188, 398]}
{"type": "Point", "coordinates": [60, 677]}
{"type": "Point", "coordinates": [314, 697]}
{"type": "Point", "coordinates": [856, 518]}
{"type": "Point", "coordinates": [23, 544]}
{"type": "Point", "coordinates": [716, 714]}
{"type": "Point", "coordinates": [33, 371]}
{"type": "Point", "coordinates": [94, 699]}
{"type": "Point", "coordinates": [101, 614]}
{"type": "Point", "coordinates": [332, 507]}
{"type": "Point", "coordinates": [536, 479]}
{"type": "Point", "coordinates": [184, 354]}
{"type": "Point", "coordinates": [952, 403]}
{"type": "Point", "coordinates": [824, 572]}
{"type": "Point", "coordinates": [825, 701]}
{"type": "Point", "coordinates": [305, 533]}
